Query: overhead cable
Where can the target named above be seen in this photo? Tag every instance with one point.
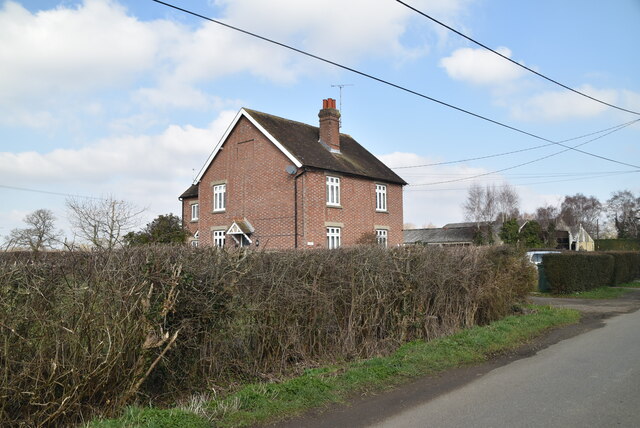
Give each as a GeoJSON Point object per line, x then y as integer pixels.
{"type": "Point", "coordinates": [514, 62]}
{"type": "Point", "coordinates": [386, 82]}
{"type": "Point", "coordinates": [495, 155]}
{"type": "Point", "coordinates": [531, 161]}
{"type": "Point", "coordinates": [524, 184]}
{"type": "Point", "coordinates": [26, 189]}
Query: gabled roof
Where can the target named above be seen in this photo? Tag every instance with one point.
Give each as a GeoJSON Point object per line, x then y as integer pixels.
{"type": "Point", "coordinates": [299, 142]}
{"type": "Point", "coordinates": [240, 226]}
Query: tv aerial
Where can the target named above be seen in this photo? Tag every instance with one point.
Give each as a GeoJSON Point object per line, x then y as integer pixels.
{"type": "Point", "coordinates": [340, 86]}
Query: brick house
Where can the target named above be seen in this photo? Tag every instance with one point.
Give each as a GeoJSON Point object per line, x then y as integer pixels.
{"type": "Point", "coordinates": [279, 184]}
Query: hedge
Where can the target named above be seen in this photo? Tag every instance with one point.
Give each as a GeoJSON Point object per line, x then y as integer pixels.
{"type": "Point", "coordinates": [85, 334]}
{"type": "Point", "coordinates": [628, 244]}
{"type": "Point", "coordinates": [574, 272]}
{"type": "Point", "coordinates": [626, 266]}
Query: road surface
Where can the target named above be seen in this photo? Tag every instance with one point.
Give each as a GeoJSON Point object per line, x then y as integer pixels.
{"type": "Point", "coordinates": [591, 380]}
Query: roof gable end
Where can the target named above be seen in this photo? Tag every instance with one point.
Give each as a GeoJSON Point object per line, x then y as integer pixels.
{"type": "Point", "coordinates": [244, 113]}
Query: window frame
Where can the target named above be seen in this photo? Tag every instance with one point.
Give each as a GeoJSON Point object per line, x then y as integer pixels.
{"type": "Point", "coordinates": [382, 237]}
{"type": "Point", "coordinates": [219, 197]}
{"type": "Point", "coordinates": [381, 197]}
{"type": "Point", "coordinates": [218, 237]}
{"type": "Point", "coordinates": [195, 241]}
{"type": "Point", "coordinates": [332, 186]}
{"type": "Point", "coordinates": [195, 207]}
{"type": "Point", "coordinates": [334, 237]}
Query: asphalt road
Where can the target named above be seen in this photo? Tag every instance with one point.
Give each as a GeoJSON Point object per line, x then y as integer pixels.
{"type": "Point", "coordinates": [590, 380]}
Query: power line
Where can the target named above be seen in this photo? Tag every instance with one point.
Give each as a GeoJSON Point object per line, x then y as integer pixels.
{"type": "Point", "coordinates": [517, 151]}
{"type": "Point", "coordinates": [26, 189]}
{"type": "Point", "coordinates": [529, 175]}
{"type": "Point", "coordinates": [514, 62]}
{"type": "Point", "coordinates": [526, 184]}
{"type": "Point", "coordinates": [532, 161]}
{"type": "Point", "coordinates": [386, 82]}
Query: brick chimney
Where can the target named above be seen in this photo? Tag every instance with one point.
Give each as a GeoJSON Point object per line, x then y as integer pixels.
{"type": "Point", "coordinates": [330, 124]}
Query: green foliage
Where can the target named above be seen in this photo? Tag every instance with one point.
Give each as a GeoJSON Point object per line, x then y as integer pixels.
{"type": "Point", "coordinates": [626, 266]}
{"type": "Point", "coordinates": [617, 244]}
{"type": "Point", "coordinates": [550, 236]}
{"type": "Point", "coordinates": [531, 235]}
{"type": "Point", "coordinates": [577, 272]}
{"type": "Point", "coordinates": [634, 284]}
{"type": "Point", "coordinates": [478, 238]}
{"type": "Point", "coordinates": [599, 293]}
{"type": "Point", "coordinates": [136, 417]}
{"type": "Point", "coordinates": [165, 229]}
{"type": "Point", "coordinates": [509, 232]}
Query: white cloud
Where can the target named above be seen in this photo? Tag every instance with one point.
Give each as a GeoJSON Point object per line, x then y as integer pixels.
{"type": "Point", "coordinates": [169, 157]}
{"type": "Point", "coordinates": [98, 45]}
{"type": "Point", "coordinates": [562, 104]}
{"type": "Point", "coordinates": [70, 49]}
{"type": "Point", "coordinates": [481, 67]}
{"type": "Point", "coordinates": [334, 28]}
{"type": "Point", "coordinates": [630, 99]}
{"type": "Point", "coordinates": [150, 171]}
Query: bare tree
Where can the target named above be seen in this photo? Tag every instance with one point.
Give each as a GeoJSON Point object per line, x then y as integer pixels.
{"type": "Point", "coordinates": [580, 209]}
{"type": "Point", "coordinates": [508, 202]}
{"type": "Point", "coordinates": [39, 235]}
{"type": "Point", "coordinates": [102, 222]}
{"type": "Point", "coordinates": [473, 206]}
{"type": "Point", "coordinates": [491, 207]}
{"type": "Point", "coordinates": [623, 208]}
{"type": "Point", "coordinates": [488, 204]}
{"type": "Point", "coordinates": [547, 215]}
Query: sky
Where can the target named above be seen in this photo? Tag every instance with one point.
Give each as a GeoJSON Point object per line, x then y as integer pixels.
{"type": "Point", "coordinates": [127, 98]}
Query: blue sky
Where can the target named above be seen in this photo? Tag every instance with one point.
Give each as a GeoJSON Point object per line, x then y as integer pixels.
{"type": "Point", "coordinates": [127, 98]}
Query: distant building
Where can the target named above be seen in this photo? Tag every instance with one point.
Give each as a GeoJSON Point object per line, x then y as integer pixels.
{"type": "Point", "coordinates": [573, 238]}
{"type": "Point", "coordinates": [460, 234]}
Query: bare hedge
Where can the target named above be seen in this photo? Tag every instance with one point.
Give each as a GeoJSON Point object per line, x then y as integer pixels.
{"type": "Point", "coordinates": [86, 333]}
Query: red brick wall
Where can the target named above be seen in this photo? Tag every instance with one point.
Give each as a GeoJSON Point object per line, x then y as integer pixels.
{"type": "Point", "coordinates": [192, 226]}
{"type": "Point", "coordinates": [357, 212]}
{"type": "Point", "coordinates": [260, 190]}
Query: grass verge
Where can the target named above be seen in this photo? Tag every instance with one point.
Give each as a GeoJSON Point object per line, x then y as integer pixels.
{"type": "Point", "coordinates": [264, 402]}
{"type": "Point", "coordinates": [633, 284]}
{"type": "Point", "coordinates": [595, 294]}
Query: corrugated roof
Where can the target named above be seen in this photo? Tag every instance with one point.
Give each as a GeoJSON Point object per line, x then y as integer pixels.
{"type": "Point", "coordinates": [439, 235]}
{"type": "Point", "coordinates": [301, 140]}
{"type": "Point", "coordinates": [469, 224]}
